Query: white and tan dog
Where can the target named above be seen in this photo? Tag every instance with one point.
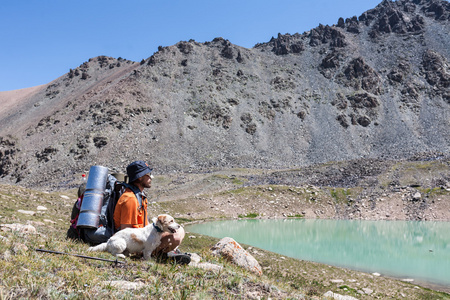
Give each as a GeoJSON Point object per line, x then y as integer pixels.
{"type": "Point", "coordinates": [136, 240]}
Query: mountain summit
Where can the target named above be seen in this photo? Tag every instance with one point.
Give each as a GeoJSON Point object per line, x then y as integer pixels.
{"type": "Point", "coordinates": [373, 86]}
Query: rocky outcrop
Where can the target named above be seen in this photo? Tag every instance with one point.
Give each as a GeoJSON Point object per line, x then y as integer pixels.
{"type": "Point", "coordinates": [359, 75]}
{"type": "Point", "coordinates": [330, 65]}
{"type": "Point", "coordinates": [439, 10]}
{"type": "Point", "coordinates": [284, 44]}
{"type": "Point", "coordinates": [394, 21]}
{"type": "Point", "coordinates": [9, 163]}
{"type": "Point", "coordinates": [327, 35]}
{"type": "Point", "coordinates": [399, 72]}
{"type": "Point", "coordinates": [437, 73]}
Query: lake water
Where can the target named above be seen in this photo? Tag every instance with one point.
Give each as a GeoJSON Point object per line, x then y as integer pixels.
{"type": "Point", "coordinates": [403, 249]}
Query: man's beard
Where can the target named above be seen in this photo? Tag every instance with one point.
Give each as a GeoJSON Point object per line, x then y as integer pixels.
{"type": "Point", "coordinates": [146, 184]}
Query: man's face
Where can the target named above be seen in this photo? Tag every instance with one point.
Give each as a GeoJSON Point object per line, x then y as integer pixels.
{"type": "Point", "coordinates": [146, 181]}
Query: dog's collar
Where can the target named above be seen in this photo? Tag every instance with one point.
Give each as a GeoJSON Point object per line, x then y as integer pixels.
{"type": "Point", "coordinates": [157, 228]}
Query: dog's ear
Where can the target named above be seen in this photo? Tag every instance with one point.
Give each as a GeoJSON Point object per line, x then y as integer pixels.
{"type": "Point", "coordinates": [162, 219]}
{"type": "Point", "coordinates": [154, 220]}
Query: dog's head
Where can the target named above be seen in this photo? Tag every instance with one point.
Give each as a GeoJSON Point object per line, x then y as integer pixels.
{"type": "Point", "coordinates": [166, 223]}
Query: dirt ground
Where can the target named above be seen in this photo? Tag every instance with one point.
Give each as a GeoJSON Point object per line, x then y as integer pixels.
{"type": "Point", "coordinates": [409, 190]}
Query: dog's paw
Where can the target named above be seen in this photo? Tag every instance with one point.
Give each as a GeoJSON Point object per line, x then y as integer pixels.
{"type": "Point", "coordinates": [120, 255]}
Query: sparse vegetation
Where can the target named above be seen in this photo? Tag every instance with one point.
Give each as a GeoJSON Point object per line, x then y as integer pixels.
{"type": "Point", "coordinates": [249, 216]}
{"type": "Point", "coordinates": [340, 194]}
{"type": "Point", "coordinates": [296, 216]}
{"type": "Point", "coordinates": [30, 274]}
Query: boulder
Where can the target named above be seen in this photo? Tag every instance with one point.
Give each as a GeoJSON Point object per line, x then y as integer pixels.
{"type": "Point", "coordinates": [233, 252]}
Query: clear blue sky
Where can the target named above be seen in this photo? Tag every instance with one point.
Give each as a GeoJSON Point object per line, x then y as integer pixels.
{"type": "Point", "coordinates": [41, 40]}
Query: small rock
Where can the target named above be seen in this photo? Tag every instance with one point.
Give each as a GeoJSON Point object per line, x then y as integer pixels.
{"type": "Point", "coordinates": [7, 255]}
{"type": "Point", "coordinates": [124, 285]}
{"type": "Point", "coordinates": [41, 208]}
{"type": "Point", "coordinates": [195, 258]}
{"type": "Point", "coordinates": [28, 229]}
{"type": "Point", "coordinates": [417, 196]}
{"type": "Point", "coordinates": [35, 223]}
{"type": "Point", "coordinates": [408, 280]}
{"type": "Point", "coordinates": [337, 281]}
{"type": "Point", "coordinates": [192, 237]}
{"type": "Point", "coordinates": [367, 291]}
{"type": "Point", "coordinates": [376, 274]}
{"type": "Point", "coordinates": [19, 248]}
{"type": "Point", "coordinates": [206, 266]}
{"type": "Point", "coordinates": [336, 296]}
{"type": "Point", "coordinates": [254, 295]}
{"type": "Point", "coordinates": [65, 197]}
{"type": "Point", "coordinates": [49, 221]}
{"type": "Point", "coordinates": [27, 212]}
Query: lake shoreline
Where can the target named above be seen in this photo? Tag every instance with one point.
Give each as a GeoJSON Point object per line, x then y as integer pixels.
{"type": "Point", "coordinates": [412, 279]}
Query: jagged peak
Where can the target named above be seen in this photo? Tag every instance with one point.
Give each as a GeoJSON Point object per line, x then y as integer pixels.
{"type": "Point", "coordinates": [102, 61]}
{"type": "Point", "coordinates": [401, 16]}
{"type": "Point", "coordinates": [431, 8]}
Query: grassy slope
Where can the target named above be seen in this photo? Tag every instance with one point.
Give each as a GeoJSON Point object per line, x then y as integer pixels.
{"type": "Point", "coordinates": [26, 273]}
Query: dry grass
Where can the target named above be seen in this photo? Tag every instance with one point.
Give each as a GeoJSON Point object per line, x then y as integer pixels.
{"type": "Point", "coordinates": [26, 273]}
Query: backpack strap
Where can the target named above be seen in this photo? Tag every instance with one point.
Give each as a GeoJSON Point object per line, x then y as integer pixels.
{"type": "Point", "coordinates": [136, 191]}
{"type": "Point", "coordinates": [139, 195]}
{"type": "Point", "coordinates": [117, 191]}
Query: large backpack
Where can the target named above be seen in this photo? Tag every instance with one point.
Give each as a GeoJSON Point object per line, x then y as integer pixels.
{"type": "Point", "coordinates": [114, 189]}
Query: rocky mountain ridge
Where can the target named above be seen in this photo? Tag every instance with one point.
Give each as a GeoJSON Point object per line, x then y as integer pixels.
{"type": "Point", "coordinates": [370, 87]}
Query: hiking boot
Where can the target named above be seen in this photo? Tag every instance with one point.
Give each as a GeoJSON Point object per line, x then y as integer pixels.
{"type": "Point", "coordinates": [179, 257]}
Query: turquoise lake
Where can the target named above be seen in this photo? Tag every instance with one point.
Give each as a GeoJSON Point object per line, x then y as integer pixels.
{"type": "Point", "coordinates": [402, 249]}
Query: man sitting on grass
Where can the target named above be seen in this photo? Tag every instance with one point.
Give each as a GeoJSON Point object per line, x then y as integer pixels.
{"type": "Point", "coordinates": [130, 212]}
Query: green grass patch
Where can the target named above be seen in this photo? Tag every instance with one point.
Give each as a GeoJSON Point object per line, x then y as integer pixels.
{"type": "Point", "coordinates": [233, 179]}
{"type": "Point", "coordinates": [296, 216]}
{"type": "Point", "coordinates": [249, 216]}
{"type": "Point", "coordinates": [340, 194]}
{"type": "Point", "coordinates": [436, 191]}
